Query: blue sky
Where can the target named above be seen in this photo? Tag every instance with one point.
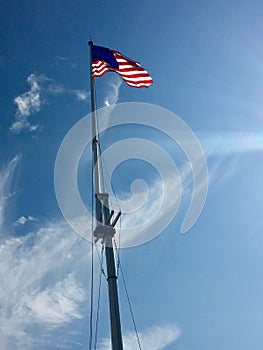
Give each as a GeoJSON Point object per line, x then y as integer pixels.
{"type": "Point", "coordinates": [202, 290]}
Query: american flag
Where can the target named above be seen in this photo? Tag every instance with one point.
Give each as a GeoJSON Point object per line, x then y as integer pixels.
{"type": "Point", "coordinates": [106, 60]}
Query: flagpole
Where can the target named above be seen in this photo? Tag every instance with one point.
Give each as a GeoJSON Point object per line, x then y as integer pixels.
{"type": "Point", "coordinates": [104, 229]}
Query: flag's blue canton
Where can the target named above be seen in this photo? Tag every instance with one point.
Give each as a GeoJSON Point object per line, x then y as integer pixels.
{"type": "Point", "coordinates": [100, 53]}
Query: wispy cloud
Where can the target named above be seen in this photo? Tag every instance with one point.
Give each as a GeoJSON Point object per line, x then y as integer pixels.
{"type": "Point", "coordinates": [57, 304]}
{"type": "Point", "coordinates": [40, 290]}
{"type": "Point", "coordinates": [6, 178]}
{"type": "Point", "coordinates": [34, 127]}
{"type": "Point", "coordinates": [65, 61]}
{"type": "Point", "coordinates": [223, 154]}
{"type": "Point", "coordinates": [55, 88]}
{"type": "Point", "coordinates": [147, 210]}
{"type": "Point", "coordinates": [33, 100]}
{"type": "Point", "coordinates": [24, 219]}
{"type": "Point", "coordinates": [28, 103]}
{"type": "Point", "coordinates": [227, 143]}
{"type": "Point", "coordinates": [154, 208]}
{"type": "Point", "coordinates": [81, 95]}
{"type": "Point", "coordinates": [154, 338]}
{"type": "Point", "coordinates": [112, 93]}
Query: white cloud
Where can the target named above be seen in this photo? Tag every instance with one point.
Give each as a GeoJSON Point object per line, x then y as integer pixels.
{"type": "Point", "coordinates": [39, 289]}
{"type": "Point", "coordinates": [81, 95]}
{"type": "Point", "coordinates": [6, 177]}
{"type": "Point", "coordinates": [228, 143]}
{"type": "Point", "coordinates": [41, 294]}
{"type": "Point", "coordinates": [155, 338]}
{"type": "Point", "coordinates": [146, 222]}
{"type": "Point", "coordinates": [57, 304]}
{"type": "Point", "coordinates": [23, 220]}
{"type": "Point", "coordinates": [40, 273]}
{"type": "Point", "coordinates": [34, 127]}
{"type": "Point", "coordinates": [55, 88]}
{"type": "Point", "coordinates": [65, 60]}
{"type": "Point", "coordinates": [32, 101]}
{"type": "Point", "coordinates": [146, 210]}
{"type": "Point", "coordinates": [28, 103]}
{"type": "Point", "coordinates": [112, 93]}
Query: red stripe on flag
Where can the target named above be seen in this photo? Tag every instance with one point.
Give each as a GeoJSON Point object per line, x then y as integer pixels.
{"type": "Point", "coordinates": [131, 72]}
